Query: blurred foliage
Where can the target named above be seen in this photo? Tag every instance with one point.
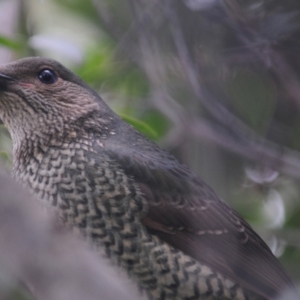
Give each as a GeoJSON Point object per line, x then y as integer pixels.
{"type": "Point", "coordinates": [100, 69]}
{"type": "Point", "coordinates": [18, 294]}
{"type": "Point", "coordinates": [10, 43]}
{"type": "Point", "coordinates": [140, 126]}
{"type": "Point", "coordinates": [145, 59]}
{"type": "Point", "coordinates": [253, 97]}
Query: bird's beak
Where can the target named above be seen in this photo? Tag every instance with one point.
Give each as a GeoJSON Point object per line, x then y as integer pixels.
{"type": "Point", "coordinates": [4, 81]}
{"type": "Point", "coordinates": [5, 77]}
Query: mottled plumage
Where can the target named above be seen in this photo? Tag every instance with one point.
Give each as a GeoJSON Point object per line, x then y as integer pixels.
{"type": "Point", "coordinates": [132, 200]}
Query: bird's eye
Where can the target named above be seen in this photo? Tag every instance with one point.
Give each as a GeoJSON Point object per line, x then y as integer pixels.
{"type": "Point", "coordinates": [47, 76]}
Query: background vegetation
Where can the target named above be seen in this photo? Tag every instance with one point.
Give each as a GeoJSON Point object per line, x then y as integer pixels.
{"type": "Point", "coordinates": [214, 82]}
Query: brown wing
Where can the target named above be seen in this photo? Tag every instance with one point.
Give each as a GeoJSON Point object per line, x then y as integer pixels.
{"type": "Point", "coordinates": [187, 214]}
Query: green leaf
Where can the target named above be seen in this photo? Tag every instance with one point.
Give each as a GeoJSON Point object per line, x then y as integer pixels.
{"type": "Point", "coordinates": [9, 43]}
{"type": "Point", "coordinates": [140, 126]}
{"type": "Point", "coordinates": [157, 121]}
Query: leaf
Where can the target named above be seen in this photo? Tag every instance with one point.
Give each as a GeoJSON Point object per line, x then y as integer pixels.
{"type": "Point", "coordinates": [9, 43]}
{"type": "Point", "coordinates": [157, 121]}
{"type": "Point", "coordinates": [140, 126]}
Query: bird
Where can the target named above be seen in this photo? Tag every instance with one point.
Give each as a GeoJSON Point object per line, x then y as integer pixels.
{"type": "Point", "coordinates": [131, 200]}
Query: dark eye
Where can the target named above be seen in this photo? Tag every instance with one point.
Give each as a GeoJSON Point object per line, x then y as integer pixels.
{"type": "Point", "coordinates": [47, 76]}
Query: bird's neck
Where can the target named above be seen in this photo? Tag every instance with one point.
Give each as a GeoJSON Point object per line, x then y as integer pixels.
{"type": "Point", "coordinates": [31, 149]}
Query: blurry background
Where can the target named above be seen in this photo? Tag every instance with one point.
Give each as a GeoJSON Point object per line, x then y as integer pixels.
{"type": "Point", "coordinates": [217, 83]}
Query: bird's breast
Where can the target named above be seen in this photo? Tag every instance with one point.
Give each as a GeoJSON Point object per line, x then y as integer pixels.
{"type": "Point", "coordinates": [92, 195]}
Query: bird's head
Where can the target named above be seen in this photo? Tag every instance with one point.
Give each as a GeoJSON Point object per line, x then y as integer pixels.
{"type": "Point", "coordinates": [40, 95]}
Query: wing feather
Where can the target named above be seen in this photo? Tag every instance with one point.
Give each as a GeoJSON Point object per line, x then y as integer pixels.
{"type": "Point", "coordinates": [187, 214]}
